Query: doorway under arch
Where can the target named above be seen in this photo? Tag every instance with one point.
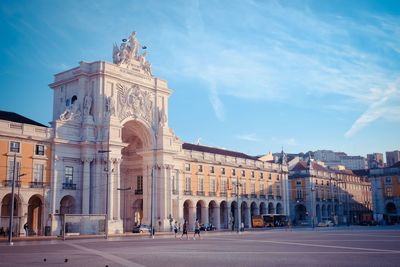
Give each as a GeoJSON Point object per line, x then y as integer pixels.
{"type": "Point", "coordinates": [35, 215]}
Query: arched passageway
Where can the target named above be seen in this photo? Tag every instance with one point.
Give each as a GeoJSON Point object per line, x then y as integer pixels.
{"type": "Point", "coordinates": [35, 215]}
{"type": "Point", "coordinates": [224, 215]}
{"type": "Point", "coordinates": [67, 205]}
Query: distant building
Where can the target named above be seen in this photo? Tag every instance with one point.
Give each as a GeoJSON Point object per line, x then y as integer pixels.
{"type": "Point", "coordinates": [330, 157]}
{"type": "Point", "coordinates": [318, 193]}
{"type": "Point", "coordinates": [354, 162]}
{"type": "Point", "coordinates": [385, 184]}
{"type": "Point", "coordinates": [375, 160]}
{"type": "Point", "coordinates": [392, 157]}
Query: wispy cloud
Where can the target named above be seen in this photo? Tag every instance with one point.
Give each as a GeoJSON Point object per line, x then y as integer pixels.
{"type": "Point", "coordinates": [251, 137]}
{"type": "Point", "coordinates": [386, 106]}
{"type": "Point", "coordinates": [291, 54]}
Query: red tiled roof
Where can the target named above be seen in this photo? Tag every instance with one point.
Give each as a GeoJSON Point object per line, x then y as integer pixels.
{"type": "Point", "coordinates": [215, 150]}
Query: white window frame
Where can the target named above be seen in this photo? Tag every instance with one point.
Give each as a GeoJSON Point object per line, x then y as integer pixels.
{"type": "Point", "coordinates": [36, 150]}
{"type": "Point", "coordinates": [38, 172]}
{"type": "Point", "coordinates": [68, 181]}
{"type": "Point", "coordinates": [12, 147]}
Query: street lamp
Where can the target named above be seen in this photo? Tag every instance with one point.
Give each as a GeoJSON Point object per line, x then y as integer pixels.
{"type": "Point", "coordinates": [237, 184]}
{"type": "Point", "coordinates": [107, 186]}
{"type": "Point", "coordinates": [312, 206]}
{"type": "Point", "coordinates": [124, 190]}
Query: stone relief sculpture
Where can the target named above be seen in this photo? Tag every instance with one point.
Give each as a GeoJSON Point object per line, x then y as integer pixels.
{"type": "Point", "coordinates": [134, 102]}
{"type": "Point", "coordinates": [128, 54]}
{"type": "Point", "coordinates": [87, 105]}
{"type": "Point", "coordinates": [110, 106]}
{"type": "Point", "coordinates": [162, 117]}
{"type": "Point", "coordinates": [72, 113]}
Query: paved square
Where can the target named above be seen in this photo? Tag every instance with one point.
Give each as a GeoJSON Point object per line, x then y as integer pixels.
{"type": "Point", "coordinates": [321, 247]}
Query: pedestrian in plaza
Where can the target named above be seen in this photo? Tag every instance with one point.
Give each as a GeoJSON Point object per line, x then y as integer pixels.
{"type": "Point", "coordinates": [26, 228]}
{"type": "Point", "coordinates": [176, 228]}
{"type": "Point", "coordinates": [184, 230]}
{"type": "Point", "coordinates": [196, 229]}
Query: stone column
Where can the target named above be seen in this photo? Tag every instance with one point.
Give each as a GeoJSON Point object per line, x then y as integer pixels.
{"type": "Point", "coordinates": [247, 221]}
{"type": "Point", "coordinates": [117, 185]}
{"type": "Point", "coordinates": [86, 185]}
{"type": "Point", "coordinates": [109, 188]}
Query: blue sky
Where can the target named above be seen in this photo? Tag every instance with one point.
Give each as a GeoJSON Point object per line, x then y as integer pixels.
{"type": "Point", "coordinates": [251, 76]}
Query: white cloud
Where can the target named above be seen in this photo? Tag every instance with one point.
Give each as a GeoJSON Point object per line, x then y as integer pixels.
{"type": "Point", "coordinates": [387, 106]}
{"type": "Point", "coordinates": [251, 137]}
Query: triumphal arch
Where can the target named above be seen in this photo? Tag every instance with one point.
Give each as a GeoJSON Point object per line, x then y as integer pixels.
{"type": "Point", "coordinates": [112, 147]}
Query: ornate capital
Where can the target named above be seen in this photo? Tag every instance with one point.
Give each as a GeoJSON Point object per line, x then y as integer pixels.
{"type": "Point", "coordinates": [86, 159]}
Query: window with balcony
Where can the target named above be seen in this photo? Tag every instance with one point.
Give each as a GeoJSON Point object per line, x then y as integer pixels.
{"type": "Point", "coordinates": [212, 185]}
{"type": "Point", "coordinates": [299, 194]}
{"type": "Point", "coordinates": [69, 178]}
{"type": "Point", "coordinates": [253, 188]}
{"type": "Point", "coordinates": [261, 189]}
{"type": "Point", "coordinates": [223, 186]}
{"type": "Point", "coordinates": [244, 189]}
{"type": "Point", "coordinates": [39, 150]}
{"type": "Point", "coordinates": [38, 173]}
{"type": "Point", "coordinates": [278, 190]}
{"type": "Point", "coordinates": [11, 170]}
{"type": "Point", "coordinates": [389, 191]}
{"type": "Point", "coordinates": [388, 180]}
{"type": "Point", "coordinates": [200, 184]}
{"type": "Point", "coordinates": [188, 185]}
{"type": "Point", "coordinates": [15, 147]}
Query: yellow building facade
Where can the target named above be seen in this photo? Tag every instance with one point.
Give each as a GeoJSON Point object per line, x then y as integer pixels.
{"type": "Point", "coordinates": [25, 156]}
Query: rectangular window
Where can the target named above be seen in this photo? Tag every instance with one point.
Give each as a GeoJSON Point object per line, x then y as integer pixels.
{"type": "Point", "coordinates": [389, 191]}
{"type": "Point", "coordinates": [269, 189]}
{"type": "Point", "coordinates": [253, 188]}
{"type": "Point", "coordinates": [223, 186]}
{"type": "Point", "coordinates": [278, 190]}
{"type": "Point", "coordinates": [15, 147]}
{"type": "Point", "coordinates": [200, 184]}
{"type": "Point", "coordinates": [243, 173]}
{"type": "Point", "coordinates": [244, 190]}
{"type": "Point", "coordinates": [11, 170]}
{"type": "Point", "coordinates": [261, 189]}
{"type": "Point", "coordinates": [212, 169]}
{"type": "Point", "coordinates": [212, 185]}
{"type": "Point", "coordinates": [173, 183]}
{"type": "Point", "coordinates": [277, 177]}
{"type": "Point", "coordinates": [252, 174]}
{"type": "Point", "coordinates": [187, 167]}
{"type": "Point", "coordinates": [69, 174]}
{"type": "Point", "coordinates": [38, 172]}
{"type": "Point", "coordinates": [233, 172]}
{"type": "Point", "coordinates": [299, 194]}
{"type": "Point", "coordinates": [139, 183]}
{"type": "Point", "coordinates": [269, 176]}
{"type": "Point", "coordinates": [188, 184]}
{"type": "Point", "coordinates": [223, 171]}
{"type": "Point", "coordinates": [39, 150]}
{"type": "Point", "coordinates": [261, 175]}
{"type": "Point", "coordinates": [388, 180]}
{"type": "Point", "coordinates": [200, 168]}
{"type": "Point", "coordinates": [298, 182]}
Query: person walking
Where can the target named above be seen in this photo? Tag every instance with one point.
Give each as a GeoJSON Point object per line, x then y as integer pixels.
{"type": "Point", "coordinates": [176, 228]}
{"type": "Point", "coordinates": [196, 229]}
{"type": "Point", "coordinates": [26, 228]}
{"type": "Point", "coordinates": [184, 230]}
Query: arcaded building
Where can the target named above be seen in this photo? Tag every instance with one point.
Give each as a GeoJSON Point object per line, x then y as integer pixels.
{"type": "Point", "coordinates": [114, 153]}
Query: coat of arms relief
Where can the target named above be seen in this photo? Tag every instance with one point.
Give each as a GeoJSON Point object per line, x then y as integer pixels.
{"type": "Point", "coordinates": [134, 102]}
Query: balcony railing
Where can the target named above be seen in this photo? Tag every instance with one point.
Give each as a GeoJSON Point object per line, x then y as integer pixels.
{"type": "Point", "coordinates": [187, 192]}
{"type": "Point", "coordinates": [211, 194]}
{"type": "Point", "coordinates": [222, 194]}
{"type": "Point", "coordinates": [245, 195]}
{"type": "Point", "coordinates": [270, 197]}
{"type": "Point", "coordinates": [233, 194]}
{"type": "Point", "coordinates": [253, 195]}
{"type": "Point", "coordinates": [8, 183]}
{"type": "Point", "coordinates": [299, 199]}
{"type": "Point", "coordinates": [69, 186]}
{"type": "Point", "coordinates": [318, 199]}
{"type": "Point", "coordinates": [200, 193]}
{"type": "Point", "coordinates": [139, 192]}
{"type": "Point", "coordinates": [278, 198]}
{"type": "Point", "coordinates": [37, 184]}
{"type": "Point", "coordinates": [262, 196]}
